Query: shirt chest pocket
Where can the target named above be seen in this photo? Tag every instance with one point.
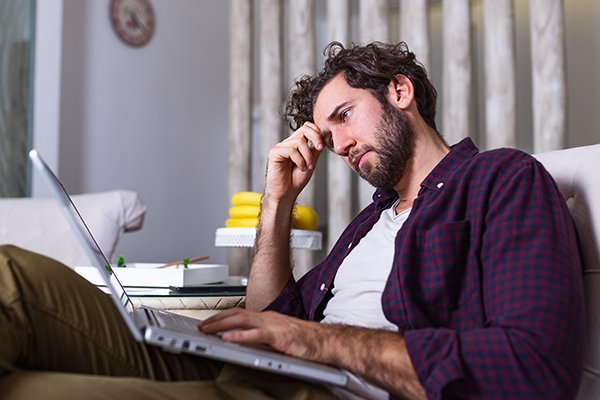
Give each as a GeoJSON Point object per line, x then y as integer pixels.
{"type": "Point", "coordinates": [442, 278]}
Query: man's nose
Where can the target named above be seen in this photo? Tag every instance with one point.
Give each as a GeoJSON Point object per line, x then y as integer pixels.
{"type": "Point", "coordinates": [342, 142]}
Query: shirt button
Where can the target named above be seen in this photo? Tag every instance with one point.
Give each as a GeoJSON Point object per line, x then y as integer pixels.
{"type": "Point", "coordinates": [349, 245]}
{"type": "Point", "coordinates": [323, 286]}
{"type": "Point", "coordinates": [439, 185]}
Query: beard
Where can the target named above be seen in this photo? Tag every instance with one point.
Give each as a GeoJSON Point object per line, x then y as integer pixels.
{"type": "Point", "coordinates": [394, 147]}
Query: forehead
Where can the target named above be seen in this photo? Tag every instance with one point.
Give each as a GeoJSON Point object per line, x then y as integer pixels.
{"type": "Point", "coordinates": [334, 93]}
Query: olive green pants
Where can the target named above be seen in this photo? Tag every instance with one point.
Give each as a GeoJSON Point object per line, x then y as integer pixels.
{"type": "Point", "coordinates": [61, 337]}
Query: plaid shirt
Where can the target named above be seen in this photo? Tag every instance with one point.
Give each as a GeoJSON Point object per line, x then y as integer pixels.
{"type": "Point", "coordinates": [486, 284]}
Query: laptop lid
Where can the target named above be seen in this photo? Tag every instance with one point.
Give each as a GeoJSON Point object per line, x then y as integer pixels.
{"type": "Point", "coordinates": [85, 237]}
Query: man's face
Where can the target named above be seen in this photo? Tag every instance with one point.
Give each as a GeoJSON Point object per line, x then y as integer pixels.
{"type": "Point", "coordinates": [375, 141]}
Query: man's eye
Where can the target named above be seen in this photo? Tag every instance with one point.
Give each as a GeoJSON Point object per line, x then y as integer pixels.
{"type": "Point", "coordinates": [345, 115]}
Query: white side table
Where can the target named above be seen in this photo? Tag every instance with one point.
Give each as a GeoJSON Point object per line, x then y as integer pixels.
{"type": "Point", "coordinates": [244, 237]}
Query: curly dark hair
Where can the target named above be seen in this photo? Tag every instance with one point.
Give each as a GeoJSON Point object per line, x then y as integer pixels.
{"type": "Point", "coordinates": [371, 67]}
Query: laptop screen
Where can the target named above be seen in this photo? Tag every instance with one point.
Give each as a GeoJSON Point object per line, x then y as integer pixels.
{"type": "Point", "coordinates": [81, 230]}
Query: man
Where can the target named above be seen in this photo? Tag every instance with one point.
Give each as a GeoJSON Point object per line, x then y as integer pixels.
{"type": "Point", "coordinates": [461, 280]}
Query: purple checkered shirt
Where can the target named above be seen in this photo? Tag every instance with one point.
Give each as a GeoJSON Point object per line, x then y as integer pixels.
{"type": "Point", "coordinates": [486, 283]}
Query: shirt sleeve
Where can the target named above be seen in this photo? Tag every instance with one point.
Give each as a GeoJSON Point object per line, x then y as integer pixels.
{"type": "Point", "coordinates": [529, 344]}
{"type": "Point", "coordinates": [289, 301]}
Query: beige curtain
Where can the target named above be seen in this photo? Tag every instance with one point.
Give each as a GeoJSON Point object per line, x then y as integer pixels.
{"type": "Point", "coordinates": [240, 113]}
{"type": "Point", "coordinates": [296, 21]}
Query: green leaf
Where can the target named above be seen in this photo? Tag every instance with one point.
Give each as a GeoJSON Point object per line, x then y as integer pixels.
{"type": "Point", "coordinates": [108, 268]}
{"type": "Point", "coordinates": [186, 262]}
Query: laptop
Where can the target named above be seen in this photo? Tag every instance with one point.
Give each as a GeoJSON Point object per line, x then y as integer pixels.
{"type": "Point", "coordinates": [173, 332]}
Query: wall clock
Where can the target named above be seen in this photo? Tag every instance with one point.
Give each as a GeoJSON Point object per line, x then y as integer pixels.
{"type": "Point", "coordinates": [133, 20]}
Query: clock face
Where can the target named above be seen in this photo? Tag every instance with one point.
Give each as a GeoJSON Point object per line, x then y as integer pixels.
{"type": "Point", "coordinates": [133, 20]}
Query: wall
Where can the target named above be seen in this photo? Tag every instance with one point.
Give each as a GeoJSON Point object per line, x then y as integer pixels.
{"type": "Point", "coordinates": [150, 119]}
{"type": "Point", "coordinates": [154, 119]}
{"type": "Point", "coordinates": [46, 87]}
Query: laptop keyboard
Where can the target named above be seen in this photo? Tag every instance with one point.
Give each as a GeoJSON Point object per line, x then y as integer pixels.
{"type": "Point", "coordinates": [174, 322]}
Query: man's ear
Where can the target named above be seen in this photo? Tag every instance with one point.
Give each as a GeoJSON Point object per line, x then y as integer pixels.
{"type": "Point", "coordinates": [401, 93]}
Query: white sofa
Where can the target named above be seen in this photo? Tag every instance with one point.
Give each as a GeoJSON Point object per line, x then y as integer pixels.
{"type": "Point", "coordinates": [39, 225]}
{"type": "Point", "coordinates": [577, 173]}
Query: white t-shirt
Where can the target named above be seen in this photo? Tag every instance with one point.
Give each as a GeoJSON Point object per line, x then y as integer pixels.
{"type": "Point", "coordinates": [360, 280]}
{"type": "Point", "coordinates": [358, 287]}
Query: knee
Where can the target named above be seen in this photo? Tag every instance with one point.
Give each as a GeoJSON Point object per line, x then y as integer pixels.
{"type": "Point", "coordinates": [9, 254]}
{"type": "Point", "coordinates": [22, 262]}
{"type": "Point", "coordinates": [9, 248]}
{"type": "Point", "coordinates": [18, 254]}
{"type": "Point", "coordinates": [10, 251]}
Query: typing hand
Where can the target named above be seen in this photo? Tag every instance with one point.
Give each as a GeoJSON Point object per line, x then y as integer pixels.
{"type": "Point", "coordinates": [286, 334]}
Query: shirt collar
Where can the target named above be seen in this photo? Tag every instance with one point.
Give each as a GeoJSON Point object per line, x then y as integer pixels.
{"type": "Point", "coordinates": [459, 153]}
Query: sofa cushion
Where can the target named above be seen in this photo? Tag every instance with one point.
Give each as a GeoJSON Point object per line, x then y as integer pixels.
{"type": "Point", "coordinates": [39, 225]}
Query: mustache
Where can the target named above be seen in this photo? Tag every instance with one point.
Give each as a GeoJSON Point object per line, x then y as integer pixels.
{"type": "Point", "coordinates": [357, 151]}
